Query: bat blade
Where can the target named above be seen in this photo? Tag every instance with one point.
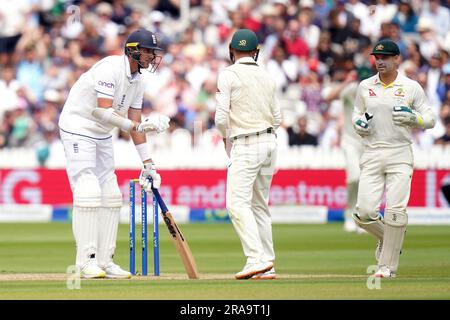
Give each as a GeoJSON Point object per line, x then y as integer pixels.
{"type": "Point", "coordinates": [178, 239]}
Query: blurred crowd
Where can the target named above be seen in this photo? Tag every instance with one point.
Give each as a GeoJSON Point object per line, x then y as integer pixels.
{"type": "Point", "coordinates": [309, 46]}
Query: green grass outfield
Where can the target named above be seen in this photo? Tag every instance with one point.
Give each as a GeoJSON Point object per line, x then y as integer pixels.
{"type": "Point", "coordinates": [313, 262]}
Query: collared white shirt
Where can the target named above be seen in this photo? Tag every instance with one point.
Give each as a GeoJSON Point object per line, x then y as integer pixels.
{"type": "Point", "coordinates": [245, 99]}
{"type": "Point", "coordinates": [109, 78]}
{"type": "Point", "coordinates": [377, 98]}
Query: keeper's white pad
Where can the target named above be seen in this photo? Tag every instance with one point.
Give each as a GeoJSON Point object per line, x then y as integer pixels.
{"type": "Point", "coordinates": [108, 221]}
{"type": "Point", "coordinates": [395, 218]}
{"type": "Point", "coordinates": [394, 233]}
{"type": "Point", "coordinates": [373, 226]}
{"type": "Point", "coordinates": [87, 191]}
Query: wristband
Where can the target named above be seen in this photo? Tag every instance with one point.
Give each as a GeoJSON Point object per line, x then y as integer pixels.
{"type": "Point", "coordinates": [143, 151]}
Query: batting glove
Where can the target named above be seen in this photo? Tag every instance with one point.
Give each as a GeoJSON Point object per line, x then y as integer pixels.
{"type": "Point", "coordinates": [406, 117]}
{"type": "Point", "coordinates": [361, 125]}
{"type": "Point", "coordinates": [157, 123]}
{"type": "Point", "coordinates": [149, 177]}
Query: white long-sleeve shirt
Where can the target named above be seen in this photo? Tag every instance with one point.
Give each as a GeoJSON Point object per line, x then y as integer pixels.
{"type": "Point", "coordinates": [378, 99]}
{"type": "Point", "coordinates": [245, 100]}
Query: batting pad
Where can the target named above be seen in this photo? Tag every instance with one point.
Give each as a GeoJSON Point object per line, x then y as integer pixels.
{"type": "Point", "coordinates": [108, 222]}
{"type": "Point", "coordinates": [374, 227]}
{"type": "Point", "coordinates": [392, 246]}
{"type": "Point", "coordinates": [84, 227]}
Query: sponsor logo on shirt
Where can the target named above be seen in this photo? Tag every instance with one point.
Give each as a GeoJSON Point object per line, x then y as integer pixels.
{"type": "Point", "coordinates": [109, 85]}
{"type": "Point", "coordinates": [371, 93]}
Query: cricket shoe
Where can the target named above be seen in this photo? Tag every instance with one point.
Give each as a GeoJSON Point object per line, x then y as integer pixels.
{"type": "Point", "coordinates": [268, 275]}
{"type": "Point", "coordinates": [378, 250]}
{"type": "Point", "coordinates": [251, 269]}
{"type": "Point", "coordinates": [384, 272]}
{"type": "Point", "coordinates": [113, 271]}
{"type": "Point", "coordinates": [350, 225]}
{"type": "Point", "coordinates": [91, 270]}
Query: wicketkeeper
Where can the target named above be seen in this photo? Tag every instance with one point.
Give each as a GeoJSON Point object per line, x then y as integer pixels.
{"type": "Point", "coordinates": [387, 106]}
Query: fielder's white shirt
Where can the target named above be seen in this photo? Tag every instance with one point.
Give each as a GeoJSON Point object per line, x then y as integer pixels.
{"type": "Point", "coordinates": [109, 78]}
{"type": "Point", "coordinates": [376, 98]}
{"type": "Point", "coordinates": [245, 99]}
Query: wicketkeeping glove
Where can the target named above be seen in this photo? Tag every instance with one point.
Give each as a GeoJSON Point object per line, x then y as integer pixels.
{"type": "Point", "coordinates": [149, 171]}
{"type": "Point", "coordinates": [158, 123]}
{"type": "Point", "coordinates": [405, 116]}
{"type": "Point", "coordinates": [362, 125]}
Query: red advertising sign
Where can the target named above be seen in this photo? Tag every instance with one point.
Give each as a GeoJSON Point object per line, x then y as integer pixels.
{"type": "Point", "coordinates": [207, 188]}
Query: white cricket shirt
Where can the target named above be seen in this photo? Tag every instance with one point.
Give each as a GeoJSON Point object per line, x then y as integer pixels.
{"type": "Point", "coordinates": [379, 99]}
{"type": "Point", "coordinates": [109, 78]}
{"type": "Point", "coordinates": [245, 99]}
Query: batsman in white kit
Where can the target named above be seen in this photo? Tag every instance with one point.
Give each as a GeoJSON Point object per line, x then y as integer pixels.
{"type": "Point", "coordinates": [108, 95]}
{"type": "Point", "coordinates": [387, 106]}
{"type": "Point", "coordinates": [247, 116]}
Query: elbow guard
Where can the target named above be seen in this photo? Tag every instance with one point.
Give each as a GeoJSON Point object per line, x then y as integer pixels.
{"type": "Point", "coordinates": [109, 116]}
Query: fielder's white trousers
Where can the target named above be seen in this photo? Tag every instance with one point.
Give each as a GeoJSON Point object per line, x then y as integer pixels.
{"type": "Point", "coordinates": [248, 182]}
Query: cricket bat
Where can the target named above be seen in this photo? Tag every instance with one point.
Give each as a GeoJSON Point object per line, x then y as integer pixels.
{"type": "Point", "coordinates": [178, 239]}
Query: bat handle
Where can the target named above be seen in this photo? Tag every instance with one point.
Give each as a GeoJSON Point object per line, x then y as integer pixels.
{"type": "Point", "coordinates": [159, 198]}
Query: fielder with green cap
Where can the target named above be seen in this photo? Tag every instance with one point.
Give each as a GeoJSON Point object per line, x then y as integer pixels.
{"type": "Point", "coordinates": [247, 115]}
{"type": "Point", "coordinates": [387, 107]}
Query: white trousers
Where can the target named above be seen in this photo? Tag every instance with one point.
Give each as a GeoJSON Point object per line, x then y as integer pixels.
{"type": "Point", "coordinates": [87, 154]}
{"type": "Point", "coordinates": [383, 169]}
{"type": "Point", "coordinates": [248, 182]}
{"type": "Point", "coordinates": [353, 150]}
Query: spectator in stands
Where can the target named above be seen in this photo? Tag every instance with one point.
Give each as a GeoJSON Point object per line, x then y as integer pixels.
{"type": "Point", "coordinates": [12, 25]}
{"type": "Point", "coordinates": [429, 41]}
{"type": "Point", "coordinates": [443, 87]}
{"type": "Point", "coordinates": [294, 43]}
{"type": "Point", "coordinates": [440, 16]}
{"type": "Point", "coordinates": [121, 12]}
{"type": "Point", "coordinates": [8, 91]}
{"type": "Point", "coordinates": [68, 42]}
{"type": "Point", "coordinates": [445, 117]}
{"type": "Point", "coordinates": [406, 17]}
{"type": "Point", "coordinates": [299, 135]}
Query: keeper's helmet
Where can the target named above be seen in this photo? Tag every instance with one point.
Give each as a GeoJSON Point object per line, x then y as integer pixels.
{"type": "Point", "coordinates": [143, 38]}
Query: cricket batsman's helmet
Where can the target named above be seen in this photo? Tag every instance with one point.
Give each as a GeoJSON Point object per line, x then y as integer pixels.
{"type": "Point", "coordinates": [142, 38]}
{"type": "Point", "coordinates": [244, 40]}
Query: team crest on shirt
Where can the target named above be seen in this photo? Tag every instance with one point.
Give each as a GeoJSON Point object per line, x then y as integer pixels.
{"type": "Point", "coordinates": [399, 92]}
{"type": "Point", "coordinates": [372, 93]}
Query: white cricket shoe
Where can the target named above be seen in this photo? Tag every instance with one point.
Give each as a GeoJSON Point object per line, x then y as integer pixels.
{"type": "Point", "coordinates": [251, 269]}
{"type": "Point", "coordinates": [268, 275]}
{"type": "Point", "coordinates": [378, 250]}
{"type": "Point", "coordinates": [114, 271]}
{"type": "Point", "coordinates": [384, 272]}
{"type": "Point", "coordinates": [91, 270]}
{"type": "Point", "coordinates": [350, 225]}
